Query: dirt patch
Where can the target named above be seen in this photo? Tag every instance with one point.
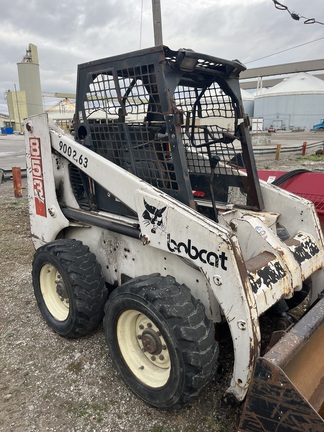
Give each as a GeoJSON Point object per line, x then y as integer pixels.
{"type": "Point", "coordinates": [48, 383]}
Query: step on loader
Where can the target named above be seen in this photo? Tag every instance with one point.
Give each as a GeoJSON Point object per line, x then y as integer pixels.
{"type": "Point", "coordinates": [144, 220]}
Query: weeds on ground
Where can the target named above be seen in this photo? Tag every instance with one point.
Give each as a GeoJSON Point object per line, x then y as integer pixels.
{"type": "Point", "coordinates": [311, 158]}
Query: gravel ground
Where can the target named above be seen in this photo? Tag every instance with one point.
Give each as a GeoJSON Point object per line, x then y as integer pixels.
{"type": "Point", "coordinates": [48, 383]}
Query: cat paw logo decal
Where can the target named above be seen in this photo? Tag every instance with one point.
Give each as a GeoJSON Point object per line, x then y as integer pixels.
{"type": "Point", "coordinates": [154, 217]}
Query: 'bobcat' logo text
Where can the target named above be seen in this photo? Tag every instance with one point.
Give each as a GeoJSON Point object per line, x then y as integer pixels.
{"type": "Point", "coordinates": [203, 255]}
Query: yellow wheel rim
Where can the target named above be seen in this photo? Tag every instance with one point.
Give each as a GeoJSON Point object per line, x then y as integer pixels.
{"type": "Point", "coordinates": [143, 348]}
{"type": "Point", "coordinates": [54, 292]}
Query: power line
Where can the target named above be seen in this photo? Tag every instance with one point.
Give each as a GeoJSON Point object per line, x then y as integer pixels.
{"type": "Point", "coordinates": [279, 52]}
{"type": "Point", "coordinates": [295, 16]}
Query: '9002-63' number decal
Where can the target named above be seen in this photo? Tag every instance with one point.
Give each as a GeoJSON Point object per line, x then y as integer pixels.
{"type": "Point", "coordinates": [78, 158]}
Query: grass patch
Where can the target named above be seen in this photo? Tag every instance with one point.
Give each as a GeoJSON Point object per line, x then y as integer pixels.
{"type": "Point", "coordinates": [311, 158]}
{"type": "Point", "coordinates": [19, 202]}
{"type": "Point", "coordinates": [86, 410]}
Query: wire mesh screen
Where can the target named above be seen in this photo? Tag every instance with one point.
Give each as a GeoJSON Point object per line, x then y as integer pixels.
{"type": "Point", "coordinates": [213, 152]}
{"type": "Point", "coordinates": [131, 131]}
{"type": "Point", "coordinates": [115, 96]}
{"type": "Point", "coordinates": [139, 148]}
{"type": "Point", "coordinates": [209, 129]}
{"type": "Point", "coordinates": [204, 102]}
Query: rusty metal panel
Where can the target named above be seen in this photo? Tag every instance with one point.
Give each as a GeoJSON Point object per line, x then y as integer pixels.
{"type": "Point", "coordinates": [287, 391]}
{"type": "Point", "coordinates": [294, 340]}
{"type": "Point", "coordinates": [274, 404]}
{"type": "Point", "coordinates": [306, 369]}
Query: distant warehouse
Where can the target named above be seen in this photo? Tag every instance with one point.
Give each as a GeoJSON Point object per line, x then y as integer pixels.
{"type": "Point", "coordinates": [295, 103]}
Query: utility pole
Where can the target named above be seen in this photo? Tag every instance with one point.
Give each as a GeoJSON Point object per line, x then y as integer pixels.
{"type": "Point", "coordinates": [157, 22]}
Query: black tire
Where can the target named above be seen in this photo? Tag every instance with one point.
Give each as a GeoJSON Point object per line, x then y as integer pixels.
{"type": "Point", "coordinates": [160, 340]}
{"type": "Point", "coordinates": [69, 287]}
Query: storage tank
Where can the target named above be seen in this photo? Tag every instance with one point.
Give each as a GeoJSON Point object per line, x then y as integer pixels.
{"type": "Point", "coordinates": [248, 102]}
{"type": "Point", "coordinates": [295, 103]}
{"type": "Point", "coordinates": [29, 80]}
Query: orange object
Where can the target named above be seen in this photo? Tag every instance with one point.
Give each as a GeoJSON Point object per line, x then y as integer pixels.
{"type": "Point", "coordinates": [16, 175]}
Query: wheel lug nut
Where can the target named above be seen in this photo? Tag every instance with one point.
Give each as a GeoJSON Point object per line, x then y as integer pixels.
{"type": "Point", "coordinates": [149, 325]}
{"type": "Point", "coordinates": [164, 347]}
{"type": "Point", "coordinates": [153, 358]}
{"type": "Point", "coordinates": [141, 327]}
{"type": "Point", "coordinates": [139, 336]}
{"type": "Point", "coordinates": [161, 357]}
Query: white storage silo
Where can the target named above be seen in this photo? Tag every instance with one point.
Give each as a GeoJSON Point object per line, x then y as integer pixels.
{"type": "Point", "coordinates": [248, 102]}
{"type": "Point", "coordinates": [295, 103]}
{"type": "Point", "coordinates": [29, 80]}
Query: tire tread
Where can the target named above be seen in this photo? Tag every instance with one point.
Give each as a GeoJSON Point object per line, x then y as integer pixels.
{"type": "Point", "coordinates": [88, 283]}
{"type": "Point", "coordinates": [186, 317]}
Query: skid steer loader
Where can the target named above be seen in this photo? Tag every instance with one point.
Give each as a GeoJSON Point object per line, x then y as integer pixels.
{"type": "Point", "coordinates": [144, 220]}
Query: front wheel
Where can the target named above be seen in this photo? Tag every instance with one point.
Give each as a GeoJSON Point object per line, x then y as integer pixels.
{"type": "Point", "coordinates": [160, 340]}
{"type": "Point", "coordinates": [69, 287]}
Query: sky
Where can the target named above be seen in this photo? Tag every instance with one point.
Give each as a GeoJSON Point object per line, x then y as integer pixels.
{"type": "Point", "coordinates": [70, 32]}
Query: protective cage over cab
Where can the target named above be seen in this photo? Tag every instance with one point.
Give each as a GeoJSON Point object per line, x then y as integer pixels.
{"type": "Point", "coordinates": [174, 119]}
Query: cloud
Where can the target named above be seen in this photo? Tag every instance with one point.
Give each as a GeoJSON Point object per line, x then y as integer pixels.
{"type": "Point", "coordinates": [70, 32]}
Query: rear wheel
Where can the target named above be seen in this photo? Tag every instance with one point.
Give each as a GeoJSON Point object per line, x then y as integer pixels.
{"type": "Point", "coordinates": [69, 287]}
{"type": "Point", "coordinates": [160, 340]}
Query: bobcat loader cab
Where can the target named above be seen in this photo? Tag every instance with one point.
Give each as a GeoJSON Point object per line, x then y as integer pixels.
{"type": "Point", "coordinates": [148, 203]}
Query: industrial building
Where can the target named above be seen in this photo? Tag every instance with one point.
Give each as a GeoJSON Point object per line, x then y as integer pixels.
{"type": "Point", "coordinates": [27, 100]}
{"type": "Point", "coordinates": [17, 107]}
{"type": "Point", "coordinates": [62, 113]}
{"type": "Point", "coordinates": [295, 103]}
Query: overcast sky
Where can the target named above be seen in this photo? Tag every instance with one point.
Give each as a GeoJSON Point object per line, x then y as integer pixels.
{"type": "Point", "coordinates": [69, 32]}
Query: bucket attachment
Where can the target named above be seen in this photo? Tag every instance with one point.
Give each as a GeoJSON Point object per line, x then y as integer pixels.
{"type": "Point", "coordinates": [287, 391]}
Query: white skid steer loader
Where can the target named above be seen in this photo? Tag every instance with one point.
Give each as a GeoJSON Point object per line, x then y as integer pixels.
{"type": "Point", "coordinates": [144, 219]}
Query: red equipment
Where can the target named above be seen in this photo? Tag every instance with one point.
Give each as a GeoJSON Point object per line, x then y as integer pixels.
{"type": "Point", "coordinates": [309, 185]}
